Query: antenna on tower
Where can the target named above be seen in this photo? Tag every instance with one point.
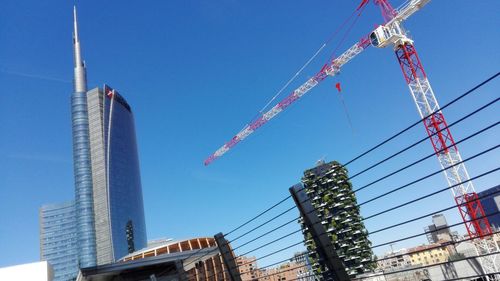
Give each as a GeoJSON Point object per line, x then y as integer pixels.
{"type": "Point", "coordinates": [80, 72]}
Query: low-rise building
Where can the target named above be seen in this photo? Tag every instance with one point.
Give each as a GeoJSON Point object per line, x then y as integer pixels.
{"type": "Point", "coordinates": [286, 271]}
{"type": "Point", "coordinates": [394, 260]}
{"type": "Point", "coordinates": [428, 254]}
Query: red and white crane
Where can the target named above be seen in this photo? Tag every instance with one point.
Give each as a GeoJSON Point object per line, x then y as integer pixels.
{"type": "Point", "coordinates": [392, 33]}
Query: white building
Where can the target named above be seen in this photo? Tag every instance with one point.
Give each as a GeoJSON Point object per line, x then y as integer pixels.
{"type": "Point", "coordinates": [37, 271]}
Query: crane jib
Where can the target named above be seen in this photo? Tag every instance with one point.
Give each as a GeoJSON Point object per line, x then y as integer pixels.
{"type": "Point", "coordinates": [330, 69]}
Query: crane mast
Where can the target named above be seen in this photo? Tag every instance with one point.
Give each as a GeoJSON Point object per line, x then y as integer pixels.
{"type": "Point", "coordinates": [464, 194]}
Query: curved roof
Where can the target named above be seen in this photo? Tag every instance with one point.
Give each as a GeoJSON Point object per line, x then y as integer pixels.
{"type": "Point", "coordinates": [169, 246]}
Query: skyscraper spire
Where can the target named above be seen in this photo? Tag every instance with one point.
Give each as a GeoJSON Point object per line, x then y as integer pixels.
{"type": "Point", "coordinates": [80, 79]}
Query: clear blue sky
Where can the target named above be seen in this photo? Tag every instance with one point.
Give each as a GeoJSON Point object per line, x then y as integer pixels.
{"type": "Point", "coordinates": [196, 71]}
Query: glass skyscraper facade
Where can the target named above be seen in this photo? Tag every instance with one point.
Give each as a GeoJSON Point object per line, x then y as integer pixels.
{"type": "Point", "coordinates": [490, 199]}
{"type": "Point", "coordinates": [58, 239]}
{"type": "Point", "coordinates": [119, 212]}
{"type": "Point", "coordinates": [84, 202]}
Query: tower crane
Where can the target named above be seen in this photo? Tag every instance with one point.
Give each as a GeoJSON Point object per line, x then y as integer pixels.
{"type": "Point", "coordinates": [392, 33]}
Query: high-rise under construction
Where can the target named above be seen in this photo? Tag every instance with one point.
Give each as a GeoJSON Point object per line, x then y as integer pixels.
{"type": "Point", "coordinates": [331, 194]}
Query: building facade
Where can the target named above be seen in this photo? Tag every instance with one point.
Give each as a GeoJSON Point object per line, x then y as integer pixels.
{"type": "Point", "coordinates": [58, 239]}
{"type": "Point", "coordinates": [438, 230]}
{"type": "Point", "coordinates": [490, 199]}
{"type": "Point", "coordinates": [283, 272]}
{"type": "Point", "coordinates": [395, 260]}
{"type": "Point", "coordinates": [247, 266]}
{"type": "Point", "coordinates": [331, 194]}
{"type": "Point", "coordinates": [428, 254]}
{"type": "Point", "coordinates": [307, 274]}
{"type": "Point", "coordinates": [117, 193]}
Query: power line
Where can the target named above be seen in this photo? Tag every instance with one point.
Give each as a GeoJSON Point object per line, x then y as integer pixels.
{"type": "Point", "coordinates": [266, 222]}
{"type": "Point", "coordinates": [267, 233]}
{"type": "Point", "coordinates": [424, 139]}
{"type": "Point", "coordinates": [445, 244]}
{"type": "Point", "coordinates": [427, 232]}
{"type": "Point", "coordinates": [389, 192]}
{"type": "Point", "coordinates": [399, 188]}
{"type": "Point", "coordinates": [372, 247]}
{"type": "Point", "coordinates": [436, 192]}
{"type": "Point", "coordinates": [476, 177]}
{"type": "Point", "coordinates": [428, 215]}
{"type": "Point", "coordinates": [442, 263]}
{"type": "Point", "coordinates": [373, 148]}
{"type": "Point", "coordinates": [379, 145]}
{"type": "Point", "coordinates": [259, 215]}
{"type": "Point", "coordinates": [275, 240]}
{"type": "Point", "coordinates": [420, 120]}
{"type": "Point", "coordinates": [390, 209]}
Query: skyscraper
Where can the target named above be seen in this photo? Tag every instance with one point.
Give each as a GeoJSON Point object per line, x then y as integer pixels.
{"type": "Point", "coordinates": [119, 213]}
{"type": "Point", "coordinates": [58, 239]}
{"type": "Point", "coordinates": [109, 206]}
{"type": "Point", "coordinates": [106, 220]}
{"type": "Point", "coordinates": [84, 202]}
{"type": "Point", "coordinates": [331, 195]}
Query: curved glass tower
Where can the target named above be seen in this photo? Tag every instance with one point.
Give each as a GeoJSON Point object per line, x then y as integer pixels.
{"type": "Point", "coordinates": [125, 191]}
{"type": "Point", "coordinates": [119, 211]}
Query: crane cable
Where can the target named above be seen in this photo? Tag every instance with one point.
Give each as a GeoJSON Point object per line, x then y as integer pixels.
{"type": "Point", "coordinates": [306, 64]}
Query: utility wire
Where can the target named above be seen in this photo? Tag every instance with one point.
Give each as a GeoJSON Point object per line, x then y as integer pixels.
{"type": "Point", "coordinates": [424, 158]}
{"type": "Point", "coordinates": [382, 143]}
{"type": "Point", "coordinates": [273, 264]}
{"type": "Point", "coordinates": [443, 263]}
{"type": "Point", "coordinates": [424, 139]}
{"type": "Point", "coordinates": [266, 222]}
{"type": "Point", "coordinates": [249, 221]}
{"type": "Point", "coordinates": [463, 222]}
{"type": "Point", "coordinates": [267, 233]}
{"type": "Point", "coordinates": [402, 187]}
{"type": "Point", "coordinates": [428, 215]}
{"type": "Point", "coordinates": [259, 215]}
{"type": "Point", "coordinates": [398, 188]}
{"type": "Point", "coordinates": [392, 208]}
{"type": "Point", "coordinates": [439, 246]}
{"type": "Point", "coordinates": [418, 161]}
{"type": "Point", "coordinates": [436, 192]}
{"type": "Point", "coordinates": [373, 148]}
{"type": "Point", "coordinates": [427, 232]}
{"type": "Point", "coordinates": [439, 171]}
{"type": "Point", "coordinates": [420, 120]}
{"type": "Point", "coordinates": [274, 241]}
